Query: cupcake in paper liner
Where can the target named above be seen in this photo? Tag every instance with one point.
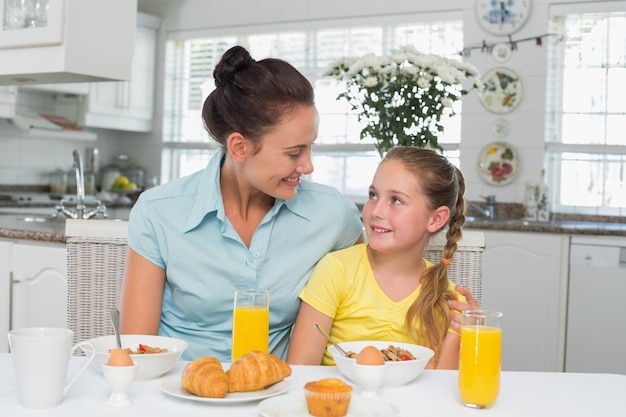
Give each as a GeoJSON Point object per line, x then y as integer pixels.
{"type": "Point", "coordinates": [328, 397]}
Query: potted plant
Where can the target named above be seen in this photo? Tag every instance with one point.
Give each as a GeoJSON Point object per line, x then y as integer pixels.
{"type": "Point", "coordinates": [402, 98]}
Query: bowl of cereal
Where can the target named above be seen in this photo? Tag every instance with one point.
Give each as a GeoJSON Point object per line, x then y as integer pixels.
{"type": "Point", "coordinates": [154, 355]}
{"type": "Point", "coordinates": [403, 361]}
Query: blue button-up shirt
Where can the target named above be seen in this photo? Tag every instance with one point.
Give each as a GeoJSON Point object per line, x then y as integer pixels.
{"type": "Point", "coordinates": [182, 227]}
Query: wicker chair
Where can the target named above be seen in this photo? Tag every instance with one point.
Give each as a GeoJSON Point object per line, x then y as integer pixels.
{"type": "Point", "coordinates": [467, 263]}
{"type": "Point", "coordinates": [96, 258]}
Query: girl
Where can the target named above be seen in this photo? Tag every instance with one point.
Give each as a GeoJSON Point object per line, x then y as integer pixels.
{"type": "Point", "coordinates": [385, 290]}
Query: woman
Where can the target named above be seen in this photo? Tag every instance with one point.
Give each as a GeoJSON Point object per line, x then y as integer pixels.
{"type": "Point", "coordinates": [248, 220]}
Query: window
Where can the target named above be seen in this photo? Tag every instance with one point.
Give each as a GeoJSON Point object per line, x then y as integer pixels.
{"type": "Point", "coordinates": [586, 144]}
{"type": "Point", "coordinates": [339, 157]}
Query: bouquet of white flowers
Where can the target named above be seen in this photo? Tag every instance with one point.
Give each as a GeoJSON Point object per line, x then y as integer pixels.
{"type": "Point", "coordinates": [402, 98]}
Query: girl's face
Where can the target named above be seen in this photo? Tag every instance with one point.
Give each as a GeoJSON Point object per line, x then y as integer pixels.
{"type": "Point", "coordinates": [285, 155]}
{"type": "Point", "coordinates": [396, 215]}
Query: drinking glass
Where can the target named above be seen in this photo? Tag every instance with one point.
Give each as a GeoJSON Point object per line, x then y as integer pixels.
{"type": "Point", "coordinates": [480, 357]}
{"type": "Point", "coordinates": [14, 14]}
{"type": "Point", "coordinates": [250, 322]}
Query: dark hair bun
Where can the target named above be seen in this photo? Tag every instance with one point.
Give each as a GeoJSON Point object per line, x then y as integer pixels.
{"type": "Point", "coordinates": [234, 60]}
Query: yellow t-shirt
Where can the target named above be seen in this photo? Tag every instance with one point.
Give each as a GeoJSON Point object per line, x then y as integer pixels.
{"type": "Point", "coordinates": [343, 286]}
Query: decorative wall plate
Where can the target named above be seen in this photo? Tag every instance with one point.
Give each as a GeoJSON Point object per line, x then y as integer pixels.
{"type": "Point", "coordinates": [501, 52]}
{"type": "Point", "coordinates": [500, 127]}
{"type": "Point", "coordinates": [503, 90]}
{"type": "Point", "coordinates": [498, 163]}
{"type": "Point", "coordinates": [502, 17]}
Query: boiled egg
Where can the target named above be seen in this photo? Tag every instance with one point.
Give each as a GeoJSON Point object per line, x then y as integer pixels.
{"type": "Point", "coordinates": [369, 355]}
{"type": "Point", "coordinates": [119, 357]}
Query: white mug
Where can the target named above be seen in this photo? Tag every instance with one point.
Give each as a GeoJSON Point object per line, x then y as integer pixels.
{"type": "Point", "coordinates": [41, 357]}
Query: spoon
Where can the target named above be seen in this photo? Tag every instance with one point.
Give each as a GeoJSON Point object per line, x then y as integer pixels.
{"type": "Point", "coordinates": [115, 319]}
{"type": "Point", "coordinates": [323, 333]}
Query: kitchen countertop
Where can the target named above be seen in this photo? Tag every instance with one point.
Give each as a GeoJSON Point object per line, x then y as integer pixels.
{"type": "Point", "coordinates": [32, 220]}
{"type": "Point", "coordinates": [35, 222]}
{"type": "Point", "coordinates": [41, 227]}
{"type": "Point", "coordinates": [578, 227]}
{"type": "Point", "coordinates": [26, 213]}
{"type": "Point", "coordinates": [34, 227]}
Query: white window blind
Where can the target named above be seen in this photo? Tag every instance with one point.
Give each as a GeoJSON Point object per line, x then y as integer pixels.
{"type": "Point", "coordinates": [339, 157]}
{"type": "Point", "coordinates": [586, 144]}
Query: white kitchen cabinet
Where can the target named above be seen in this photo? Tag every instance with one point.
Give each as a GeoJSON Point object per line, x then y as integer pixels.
{"type": "Point", "coordinates": [71, 41]}
{"type": "Point", "coordinates": [128, 105]}
{"type": "Point", "coordinates": [24, 26]}
{"type": "Point", "coordinates": [8, 101]}
{"type": "Point", "coordinates": [39, 292]}
{"type": "Point", "coordinates": [525, 277]}
{"type": "Point", "coordinates": [595, 340]}
{"type": "Point", "coordinates": [5, 293]}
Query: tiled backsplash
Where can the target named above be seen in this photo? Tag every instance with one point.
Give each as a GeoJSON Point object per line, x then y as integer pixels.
{"type": "Point", "coordinates": [29, 160]}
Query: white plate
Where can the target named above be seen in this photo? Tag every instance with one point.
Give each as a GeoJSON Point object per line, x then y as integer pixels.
{"type": "Point", "coordinates": [501, 52]}
{"type": "Point", "coordinates": [295, 406]}
{"type": "Point", "coordinates": [500, 128]}
{"type": "Point", "coordinates": [503, 90]}
{"type": "Point", "coordinates": [173, 387]}
{"type": "Point", "coordinates": [498, 163]}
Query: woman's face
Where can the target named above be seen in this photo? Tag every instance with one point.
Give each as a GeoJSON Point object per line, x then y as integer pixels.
{"type": "Point", "coordinates": [396, 214]}
{"type": "Point", "coordinates": [285, 155]}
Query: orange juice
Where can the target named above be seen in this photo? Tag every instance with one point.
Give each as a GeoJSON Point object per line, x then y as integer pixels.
{"type": "Point", "coordinates": [250, 330]}
{"type": "Point", "coordinates": [479, 365]}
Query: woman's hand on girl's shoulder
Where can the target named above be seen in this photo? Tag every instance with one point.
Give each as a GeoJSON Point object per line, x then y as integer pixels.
{"type": "Point", "coordinates": [458, 307]}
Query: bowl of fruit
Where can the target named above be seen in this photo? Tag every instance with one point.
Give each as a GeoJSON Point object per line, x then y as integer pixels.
{"type": "Point", "coordinates": [122, 187]}
{"type": "Point", "coordinates": [123, 183]}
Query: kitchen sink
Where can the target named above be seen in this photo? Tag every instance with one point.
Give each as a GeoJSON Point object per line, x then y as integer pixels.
{"type": "Point", "coordinates": [40, 219]}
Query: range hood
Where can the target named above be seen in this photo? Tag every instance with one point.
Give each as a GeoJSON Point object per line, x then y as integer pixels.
{"type": "Point", "coordinates": [53, 126]}
{"type": "Point", "coordinates": [77, 41]}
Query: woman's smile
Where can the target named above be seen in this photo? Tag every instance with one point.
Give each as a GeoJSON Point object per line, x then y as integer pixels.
{"type": "Point", "coordinates": [292, 181]}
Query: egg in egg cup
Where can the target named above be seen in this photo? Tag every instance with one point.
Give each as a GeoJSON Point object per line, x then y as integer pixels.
{"type": "Point", "coordinates": [369, 371]}
{"type": "Point", "coordinates": [119, 372]}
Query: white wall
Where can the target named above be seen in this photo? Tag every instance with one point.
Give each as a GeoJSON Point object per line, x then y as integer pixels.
{"type": "Point", "coordinates": [529, 61]}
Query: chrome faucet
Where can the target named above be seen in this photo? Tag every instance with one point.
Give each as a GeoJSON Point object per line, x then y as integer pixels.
{"type": "Point", "coordinates": [490, 211]}
{"type": "Point", "coordinates": [80, 195]}
{"type": "Point", "coordinates": [79, 169]}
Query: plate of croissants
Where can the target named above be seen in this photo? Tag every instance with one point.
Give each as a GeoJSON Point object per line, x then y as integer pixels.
{"type": "Point", "coordinates": [254, 376]}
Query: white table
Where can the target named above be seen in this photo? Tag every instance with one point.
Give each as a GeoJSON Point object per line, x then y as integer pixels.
{"type": "Point", "coordinates": [434, 393]}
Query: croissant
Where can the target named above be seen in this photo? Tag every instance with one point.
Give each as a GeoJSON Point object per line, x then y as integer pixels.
{"type": "Point", "coordinates": [205, 378]}
{"type": "Point", "coordinates": [256, 370]}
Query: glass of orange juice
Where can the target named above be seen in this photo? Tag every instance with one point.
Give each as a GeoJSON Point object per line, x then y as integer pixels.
{"type": "Point", "coordinates": [480, 357]}
{"type": "Point", "coordinates": [250, 322]}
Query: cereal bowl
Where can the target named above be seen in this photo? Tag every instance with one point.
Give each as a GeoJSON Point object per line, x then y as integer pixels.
{"type": "Point", "coordinates": [149, 365]}
{"type": "Point", "coordinates": [397, 373]}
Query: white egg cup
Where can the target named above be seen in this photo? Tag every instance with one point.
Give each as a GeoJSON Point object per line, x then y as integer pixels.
{"type": "Point", "coordinates": [369, 378]}
{"type": "Point", "coordinates": [119, 379]}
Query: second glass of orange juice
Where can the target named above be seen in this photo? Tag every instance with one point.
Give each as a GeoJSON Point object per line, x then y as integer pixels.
{"type": "Point", "coordinates": [480, 357]}
{"type": "Point", "coordinates": [250, 322]}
